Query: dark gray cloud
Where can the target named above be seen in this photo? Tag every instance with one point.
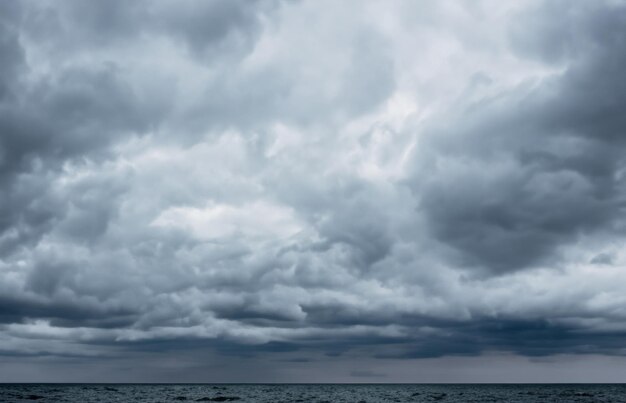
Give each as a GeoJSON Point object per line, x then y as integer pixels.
{"type": "Point", "coordinates": [310, 184]}
{"type": "Point", "coordinates": [540, 161]}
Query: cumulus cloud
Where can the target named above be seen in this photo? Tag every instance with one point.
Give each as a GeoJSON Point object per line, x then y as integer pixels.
{"type": "Point", "coordinates": [309, 181]}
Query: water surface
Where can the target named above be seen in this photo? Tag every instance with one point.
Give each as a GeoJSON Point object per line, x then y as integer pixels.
{"type": "Point", "coordinates": [447, 393]}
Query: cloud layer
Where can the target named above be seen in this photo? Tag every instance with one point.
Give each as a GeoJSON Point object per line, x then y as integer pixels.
{"type": "Point", "coordinates": [300, 180]}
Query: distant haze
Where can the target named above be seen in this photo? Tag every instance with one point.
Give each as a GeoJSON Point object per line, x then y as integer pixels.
{"type": "Point", "coordinates": [313, 191]}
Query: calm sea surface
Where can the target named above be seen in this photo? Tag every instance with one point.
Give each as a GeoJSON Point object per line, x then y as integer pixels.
{"type": "Point", "coordinates": [311, 393]}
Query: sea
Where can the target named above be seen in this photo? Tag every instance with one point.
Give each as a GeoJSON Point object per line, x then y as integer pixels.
{"type": "Point", "coordinates": [320, 393]}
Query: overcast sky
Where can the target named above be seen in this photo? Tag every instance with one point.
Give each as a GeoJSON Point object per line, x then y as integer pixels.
{"type": "Point", "coordinates": [348, 191]}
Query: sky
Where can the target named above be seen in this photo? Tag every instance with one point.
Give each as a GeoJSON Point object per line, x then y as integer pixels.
{"type": "Point", "coordinates": [313, 191]}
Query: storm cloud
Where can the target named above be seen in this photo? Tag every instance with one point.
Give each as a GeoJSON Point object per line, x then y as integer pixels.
{"type": "Point", "coordinates": [201, 187]}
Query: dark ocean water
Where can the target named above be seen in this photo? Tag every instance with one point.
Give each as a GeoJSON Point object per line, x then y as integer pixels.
{"type": "Point", "coordinates": [312, 393]}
